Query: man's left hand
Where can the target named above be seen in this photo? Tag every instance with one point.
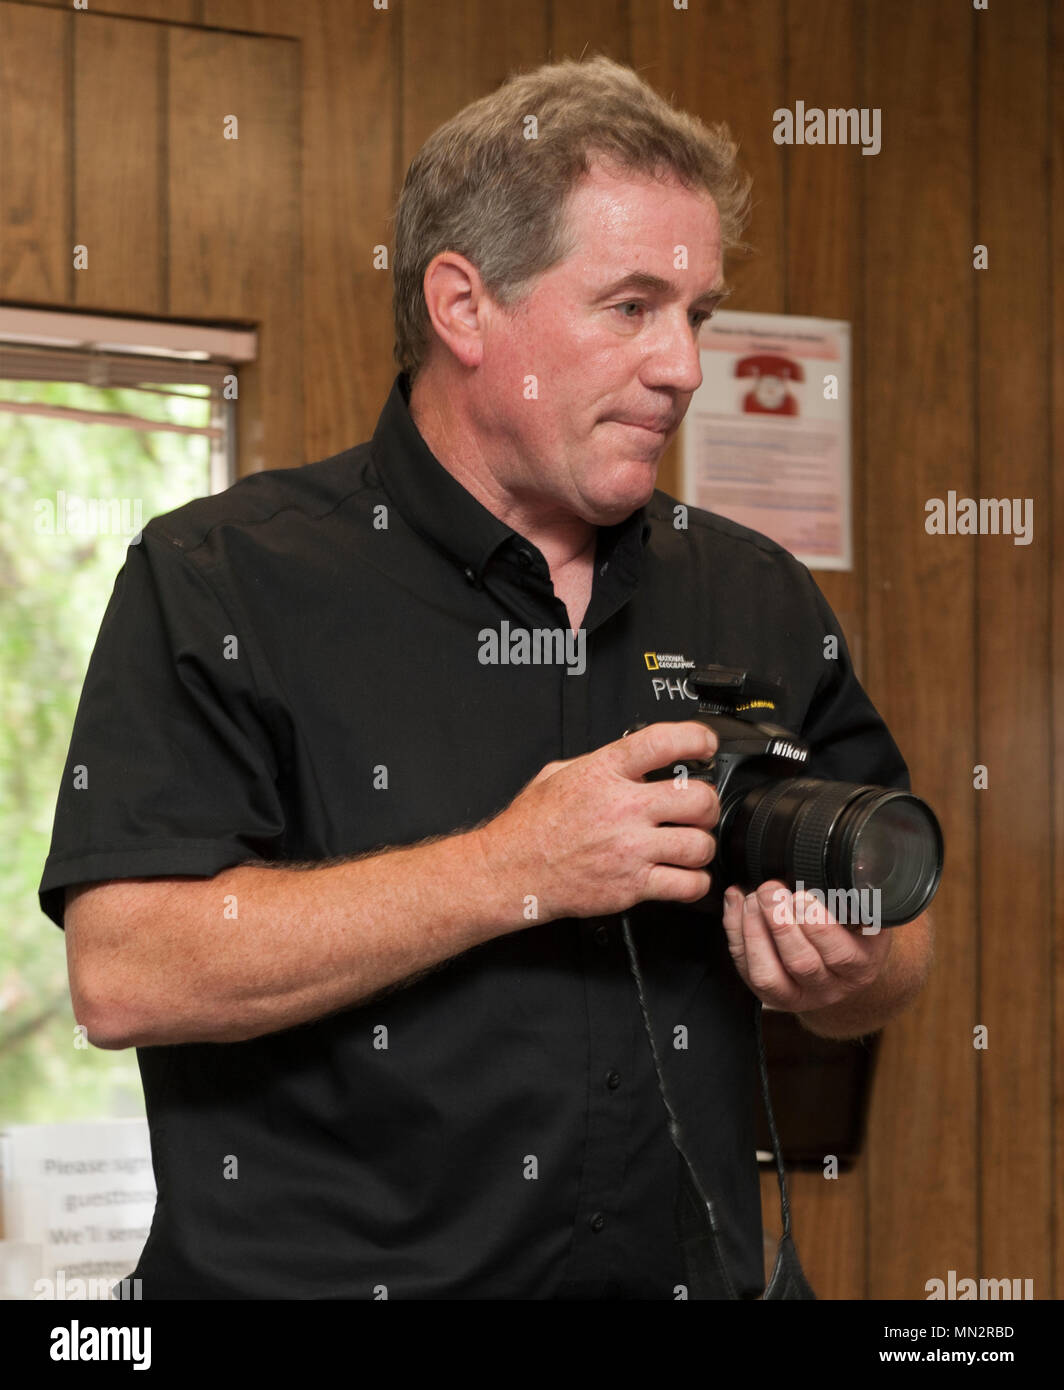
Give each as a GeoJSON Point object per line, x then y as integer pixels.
{"type": "Point", "coordinates": [793, 954]}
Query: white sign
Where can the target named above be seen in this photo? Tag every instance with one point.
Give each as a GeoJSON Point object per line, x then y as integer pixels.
{"type": "Point", "coordinates": [83, 1194]}
{"type": "Point", "coordinates": [766, 439]}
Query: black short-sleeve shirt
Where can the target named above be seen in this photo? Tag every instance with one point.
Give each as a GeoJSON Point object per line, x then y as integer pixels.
{"type": "Point", "coordinates": [354, 654]}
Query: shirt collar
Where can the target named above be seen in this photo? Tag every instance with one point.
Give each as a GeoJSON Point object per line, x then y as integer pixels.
{"type": "Point", "coordinates": [437, 506]}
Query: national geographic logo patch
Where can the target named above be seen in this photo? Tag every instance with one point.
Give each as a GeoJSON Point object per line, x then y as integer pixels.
{"type": "Point", "coordinates": [672, 687]}
{"type": "Point", "coordinates": [667, 661]}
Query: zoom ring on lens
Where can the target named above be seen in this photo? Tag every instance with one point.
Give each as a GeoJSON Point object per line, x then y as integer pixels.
{"type": "Point", "coordinates": [812, 830]}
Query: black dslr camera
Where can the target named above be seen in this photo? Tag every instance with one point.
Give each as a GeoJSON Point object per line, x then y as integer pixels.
{"type": "Point", "coordinates": [872, 853]}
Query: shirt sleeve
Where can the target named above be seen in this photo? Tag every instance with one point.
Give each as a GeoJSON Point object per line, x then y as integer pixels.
{"type": "Point", "coordinates": [848, 739]}
{"type": "Point", "coordinates": [172, 767]}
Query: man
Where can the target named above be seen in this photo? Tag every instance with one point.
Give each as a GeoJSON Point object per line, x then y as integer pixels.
{"type": "Point", "coordinates": [420, 1071]}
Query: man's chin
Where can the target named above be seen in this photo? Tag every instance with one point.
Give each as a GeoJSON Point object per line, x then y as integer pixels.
{"type": "Point", "coordinates": [610, 511]}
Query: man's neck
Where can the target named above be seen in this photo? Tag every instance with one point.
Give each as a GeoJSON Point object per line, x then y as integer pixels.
{"type": "Point", "coordinates": [566, 541]}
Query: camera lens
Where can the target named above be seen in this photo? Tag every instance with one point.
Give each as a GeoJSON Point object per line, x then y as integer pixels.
{"type": "Point", "coordinates": [890, 841]}
{"type": "Point", "coordinates": [880, 847]}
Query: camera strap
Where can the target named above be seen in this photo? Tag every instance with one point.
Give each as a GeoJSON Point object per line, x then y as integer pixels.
{"type": "Point", "coordinates": [697, 1223]}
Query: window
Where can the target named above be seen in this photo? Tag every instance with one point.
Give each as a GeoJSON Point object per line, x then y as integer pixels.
{"type": "Point", "coordinates": [94, 441]}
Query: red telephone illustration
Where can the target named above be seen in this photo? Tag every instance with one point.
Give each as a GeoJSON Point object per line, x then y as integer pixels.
{"type": "Point", "coordinates": [770, 373]}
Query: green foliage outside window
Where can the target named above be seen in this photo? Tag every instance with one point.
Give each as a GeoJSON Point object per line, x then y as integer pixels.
{"type": "Point", "coordinates": [53, 592]}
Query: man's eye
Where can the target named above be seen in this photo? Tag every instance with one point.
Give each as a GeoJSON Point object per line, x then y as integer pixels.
{"type": "Point", "coordinates": [700, 316]}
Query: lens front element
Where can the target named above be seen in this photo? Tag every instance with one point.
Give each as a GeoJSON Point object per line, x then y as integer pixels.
{"type": "Point", "coordinates": [880, 844]}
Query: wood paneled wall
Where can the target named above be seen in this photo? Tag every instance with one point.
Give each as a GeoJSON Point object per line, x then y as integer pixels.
{"type": "Point", "coordinates": [112, 138]}
{"type": "Point", "coordinates": [958, 385]}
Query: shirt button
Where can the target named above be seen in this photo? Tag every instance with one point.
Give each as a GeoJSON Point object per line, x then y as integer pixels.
{"type": "Point", "coordinates": [597, 1221]}
{"type": "Point", "coordinates": [602, 935]}
{"type": "Point", "coordinates": [524, 559]}
{"type": "Point", "coordinates": [471, 574]}
{"type": "Point", "coordinates": [613, 1079]}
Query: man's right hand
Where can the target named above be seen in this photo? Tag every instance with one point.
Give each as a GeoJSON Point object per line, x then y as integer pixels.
{"type": "Point", "coordinates": [588, 837]}
{"type": "Point", "coordinates": [155, 962]}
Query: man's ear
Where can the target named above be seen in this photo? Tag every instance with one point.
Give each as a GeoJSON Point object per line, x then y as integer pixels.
{"type": "Point", "coordinates": [456, 302]}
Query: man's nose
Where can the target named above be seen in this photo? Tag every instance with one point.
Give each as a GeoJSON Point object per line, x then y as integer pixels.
{"type": "Point", "coordinates": [677, 359]}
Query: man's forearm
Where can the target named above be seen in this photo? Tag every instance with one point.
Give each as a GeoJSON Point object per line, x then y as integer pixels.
{"type": "Point", "coordinates": [895, 987]}
{"type": "Point", "coordinates": [255, 950]}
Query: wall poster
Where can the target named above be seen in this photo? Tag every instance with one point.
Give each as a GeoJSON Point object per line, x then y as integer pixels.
{"type": "Point", "coordinates": [766, 439]}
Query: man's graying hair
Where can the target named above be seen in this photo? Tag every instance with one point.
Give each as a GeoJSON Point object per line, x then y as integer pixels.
{"type": "Point", "coordinates": [479, 187]}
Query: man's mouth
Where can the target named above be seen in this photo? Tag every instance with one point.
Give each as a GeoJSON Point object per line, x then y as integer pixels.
{"type": "Point", "coordinates": [659, 430]}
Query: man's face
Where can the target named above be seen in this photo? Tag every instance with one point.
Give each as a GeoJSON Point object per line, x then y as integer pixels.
{"type": "Point", "coordinates": [602, 352]}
